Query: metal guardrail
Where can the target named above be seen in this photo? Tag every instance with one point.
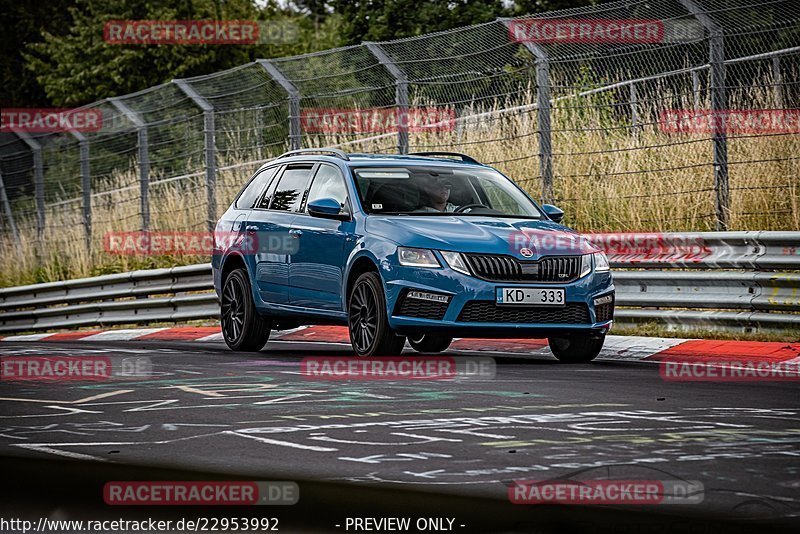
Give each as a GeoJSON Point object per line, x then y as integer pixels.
{"type": "Point", "coordinates": [662, 286]}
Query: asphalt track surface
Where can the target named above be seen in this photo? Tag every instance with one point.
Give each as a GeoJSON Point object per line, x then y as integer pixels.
{"type": "Point", "coordinates": [409, 448]}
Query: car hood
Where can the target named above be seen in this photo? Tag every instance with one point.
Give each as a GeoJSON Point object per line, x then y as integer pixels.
{"type": "Point", "coordinates": [522, 238]}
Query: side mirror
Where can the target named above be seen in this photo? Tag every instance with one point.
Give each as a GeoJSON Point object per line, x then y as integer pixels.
{"type": "Point", "coordinates": [553, 212]}
{"type": "Point", "coordinates": [327, 208]}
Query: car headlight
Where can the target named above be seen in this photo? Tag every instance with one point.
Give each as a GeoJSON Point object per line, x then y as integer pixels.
{"type": "Point", "coordinates": [417, 257]}
{"type": "Point", "coordinates": [601, 262]}
{"type": "Point", "coordinates": [586, 265]}
{"type": "Point", "coordinates": [455, 261]}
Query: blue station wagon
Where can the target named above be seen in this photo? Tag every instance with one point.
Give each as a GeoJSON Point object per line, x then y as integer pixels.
{"type": "Point", "coordinates": [424, 247]}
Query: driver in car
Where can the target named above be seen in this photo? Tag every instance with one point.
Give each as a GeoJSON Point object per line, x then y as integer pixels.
{"type": "Point", "coordinates": [438, 190]}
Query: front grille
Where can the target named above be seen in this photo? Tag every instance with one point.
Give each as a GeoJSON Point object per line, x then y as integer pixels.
{"type": "Point", "coordinates": [423, 309]}
{"type": "Point", "coordinates": [501, 268]}
{"type": "Point", "coordinates": [486, 311]}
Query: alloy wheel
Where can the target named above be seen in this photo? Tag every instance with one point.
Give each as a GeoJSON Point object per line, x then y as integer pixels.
{"type": "Point", "coordinates": [233, 309]}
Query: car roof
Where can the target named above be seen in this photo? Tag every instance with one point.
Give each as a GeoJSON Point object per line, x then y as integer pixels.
{"type": "Point", "coordinates": [360, 160]}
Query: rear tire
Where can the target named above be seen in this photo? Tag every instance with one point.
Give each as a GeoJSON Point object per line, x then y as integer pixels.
{"type": "Point", "coordinates": [370, 333]}
{"type": "Point", "coordinates": [429, 342]}
{"type": "Point", "coordinates": [242, 327]}
{"type": "Point", "coordinates": [576, 349]}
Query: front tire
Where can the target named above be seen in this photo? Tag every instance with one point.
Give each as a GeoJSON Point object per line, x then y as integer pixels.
{"type": "Point", "coordinates": [370, 333]}
{"type": "Point", "coordinates": [576, 349]}
{"type": "Point", "coordinates": [242, 327]}
{"type": "Point", "coordinates": [429, 342]}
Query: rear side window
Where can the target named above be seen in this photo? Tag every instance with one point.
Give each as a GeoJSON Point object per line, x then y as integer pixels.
{"type": "Point", "coordinates": [254, 188]}
{"type": "Point", "coordinates": [291, 187]}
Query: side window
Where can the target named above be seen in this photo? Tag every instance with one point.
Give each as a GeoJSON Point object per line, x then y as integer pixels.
{"type": "Point", "coordinates": [328, 183]}
{"type": "Point", "coordinates": [292, 185]}
{"type": "Point", "coordinates": [248, 197]}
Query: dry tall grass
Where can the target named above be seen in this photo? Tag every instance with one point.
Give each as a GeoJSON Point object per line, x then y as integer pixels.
{"type": "Point", "coordinates": [608, 177]}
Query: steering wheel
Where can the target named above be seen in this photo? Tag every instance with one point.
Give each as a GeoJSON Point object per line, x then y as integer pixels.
{"type": "Point", "coordinates": [465, 207]}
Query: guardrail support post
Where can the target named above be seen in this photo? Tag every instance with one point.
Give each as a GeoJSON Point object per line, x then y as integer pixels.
{"type": "Point", "coordinates": [210, 149]}
{"type": "Point", "coordinates": [634, 109]}
{"type": "Point", "coordinates": [719, 104]}
{"type": "Point", "coordinates": [144, 158]}
{"type": "Point", "coordinates": [38, 184]}
{"type": "Point", "coordinates": [295, 134]}
{"type": "Point", "coordinates": [7, 210]}
{"type": "Point", "coordinates": [401, 93]}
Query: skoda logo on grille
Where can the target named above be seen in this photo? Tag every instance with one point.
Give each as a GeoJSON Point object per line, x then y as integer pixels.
{"type": "Point", "coordinates": [526, 252]}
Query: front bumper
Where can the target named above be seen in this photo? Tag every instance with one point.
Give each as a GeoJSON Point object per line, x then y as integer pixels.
{"type": "Point", "coordinates": [472, 312]}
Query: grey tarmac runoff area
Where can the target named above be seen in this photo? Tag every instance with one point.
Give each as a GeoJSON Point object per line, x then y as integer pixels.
{"type": "Point", "coordinates": [445, 449]}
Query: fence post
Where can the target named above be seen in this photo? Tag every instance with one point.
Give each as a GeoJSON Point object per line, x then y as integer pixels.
{"type": "Point", "coordinates": [38, 184]}
{"type": "Point", "coordinates": [543, 113]}
{"type": "Point", "coordinates": [295, 134]}
{"type": "Point", "coordinates": [777, 79]}
{"type": "Point", "coordinates": [7, 209]}
{"type": "Point", "coordinates": [634, 109]}
{"type": "Point", "coordinates": [210, 149]}
{"type": "Point", "coordinates": [86, 186]}
{"type": "Point", "coordinates": [719, 104]}
{"type": "Point", "coordinates": [144, 158]}
{"type": "Point", "coordinates": [696, 89]}
{"type": "Point", "coordinates": [401, 93]}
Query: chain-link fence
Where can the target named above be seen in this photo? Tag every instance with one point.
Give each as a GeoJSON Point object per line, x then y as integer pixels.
{"type": "Point", "coordinates": [631, 115]}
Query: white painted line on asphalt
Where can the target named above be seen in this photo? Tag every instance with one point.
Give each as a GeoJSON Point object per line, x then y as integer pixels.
{"type": "Point", "coordinates": [282, 443]}
{"type": "Point", "coordinates": [636, 347]}
{"type": "Point", "coordinates": [49, 450]}
{"type": "Point", "coordinates": [280, 333]}
{"type": "Point", "coordinates": [213, 337]}
{"type": "Point", "coordinates": [26, 337]}
{"type": "Point", "coordinates": [122, 335]}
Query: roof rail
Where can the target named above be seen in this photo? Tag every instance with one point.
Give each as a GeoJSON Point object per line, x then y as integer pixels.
{"type": "Point", "coordinates": [329, 151]}
{"type": "Point", "coordinates": [463, 157]}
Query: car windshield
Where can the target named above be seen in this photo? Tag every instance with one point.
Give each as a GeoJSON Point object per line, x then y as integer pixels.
{"type": "Point", "coordinates": [438, 190]}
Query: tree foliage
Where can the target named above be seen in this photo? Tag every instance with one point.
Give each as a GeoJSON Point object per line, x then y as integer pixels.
{"type": "Point", "coordinates": [81, 67]}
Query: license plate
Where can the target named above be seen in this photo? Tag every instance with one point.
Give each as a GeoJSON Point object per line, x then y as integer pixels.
{"type": "Point", "coordinates": [531, 296]}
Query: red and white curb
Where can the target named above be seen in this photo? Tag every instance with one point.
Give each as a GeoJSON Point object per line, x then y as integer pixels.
{"type": "Point", "coordinates": [621, 348]}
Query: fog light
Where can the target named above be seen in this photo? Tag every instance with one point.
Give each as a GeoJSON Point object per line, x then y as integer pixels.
{"type": "Point", "coordinates": [433, 297]}
{"type": "Point", "coordinates": [608, 299]}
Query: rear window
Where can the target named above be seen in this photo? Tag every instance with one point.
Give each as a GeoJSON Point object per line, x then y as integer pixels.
{"type": "Point", "coordinates": [292, 186]}
{"type": "Point", "coordinates": [252, 191]}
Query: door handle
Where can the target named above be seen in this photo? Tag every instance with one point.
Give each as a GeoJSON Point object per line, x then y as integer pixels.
{"type": "Point", "coordinates": [251, 228]}
{"type": "Point", "coordinates": [295, 232]}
